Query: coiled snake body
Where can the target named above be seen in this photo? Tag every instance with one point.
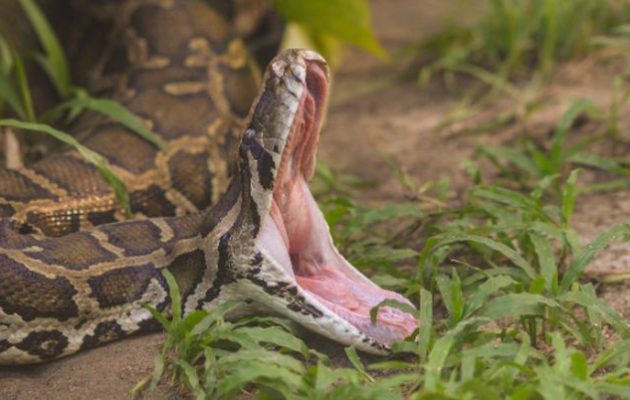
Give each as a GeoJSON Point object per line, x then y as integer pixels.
{"type": "Point", "coordinates": [264, 242]}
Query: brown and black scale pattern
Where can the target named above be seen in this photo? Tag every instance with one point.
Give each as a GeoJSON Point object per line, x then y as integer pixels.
{"type": "Point", "coordinates": [190, 80]}
{"type": "Point", "coordinates": [185, 75]}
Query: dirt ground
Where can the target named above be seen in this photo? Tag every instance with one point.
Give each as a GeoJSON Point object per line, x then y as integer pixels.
{"type": "Point", "coordinates": [370, 117]}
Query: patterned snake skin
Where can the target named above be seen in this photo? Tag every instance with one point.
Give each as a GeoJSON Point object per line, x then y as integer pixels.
{"type": "Point", "coordinates": [63, 290]}
{"type": "Point", "coordinates": [192, 84]}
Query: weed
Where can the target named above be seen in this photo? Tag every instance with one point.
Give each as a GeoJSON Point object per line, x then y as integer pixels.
{"type": "Point", "coordinates": [513, 37]}
{"type": "Point", "coordinates": [501, 309]}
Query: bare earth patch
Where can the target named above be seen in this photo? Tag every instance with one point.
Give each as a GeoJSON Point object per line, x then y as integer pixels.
{"type": "Point", "coordinates": [371, 117]}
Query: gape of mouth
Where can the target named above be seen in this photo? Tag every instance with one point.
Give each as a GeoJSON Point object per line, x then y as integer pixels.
{"type": "Point", "coordinates": [295, 234]}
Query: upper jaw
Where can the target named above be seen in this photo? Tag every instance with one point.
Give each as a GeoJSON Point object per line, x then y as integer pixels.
{"type": "Point", "coordinates": [294, 239]}
{"type": "Point", "coordinates": [294, 274]}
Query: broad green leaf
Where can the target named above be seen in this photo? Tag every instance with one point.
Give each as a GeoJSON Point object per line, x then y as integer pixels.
{"type": "Point", "coordinates": [579, 365]}
{"type": "Point", "coordinates": [348, 20]}
{"type": "Point", "coordinates": [99, 161]}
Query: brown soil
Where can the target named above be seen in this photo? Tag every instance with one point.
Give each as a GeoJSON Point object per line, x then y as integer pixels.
{"type": "Point", "coordinates": [370, 117]}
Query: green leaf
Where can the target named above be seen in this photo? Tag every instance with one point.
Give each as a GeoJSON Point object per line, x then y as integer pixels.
{"type": "Point", "coordinates": [614, 353]}
{"type": "Point", "coordinates": [376, 255]}
{"type": "Point", "coordinates": [426, 322]}
{"type": "Point", "coordinates": [515, 305]}
{"type": "Point", "coordinates": [404, 307]}
{"type": "Point", "coordinates": [6, 57]}
{"type": "Point", "coordinates": [600, 162]}
{"type": "Point", "coordinates": [352, 355]}
{"type": "Point", "coordinates": [452, 296]}
{"type": "Point", "coordinates": [514, 156]}
{"type": "Point", "coordinates": [546, 261]}
{"type": "Point", "coordinates": [441, 349]}
{"type": "Point", "coordinates": [579, 365]}
{"type": "Point", "coordinates": [568, 196]}
{"type": "Point", "coordinates": [11, 96]}
{"type": "Point", "coordinates": [491, 286]}
{"type": "Point", "coordinates": [116, 111]}
{"type": "Point", "coordinates": [575, 270]}
{"type": "Point", "coordinates": [511, 254]}
{"type": "Point", "coordinates": [277, 336]}
{"type": "Point", "coordinates": [54, 60]}
{"type": "Point", "coordinates": [391, 211]}
{"type": "Point", "coordinates": [348, 20]}
{"type": "Point", "coordinates": [601, 308]}
{"type": "Point", "coordinates": [25, 91]}
{"type": "Point", "coordinates": [576, 108]}
{"type": "Point", "coordinates": [173, 292]}
{"type": "Point", "coordinates": [99, 161]}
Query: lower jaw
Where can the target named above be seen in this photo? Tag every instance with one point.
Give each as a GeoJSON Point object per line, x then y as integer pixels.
{"type": "Point", "coordinates": [326, 276]}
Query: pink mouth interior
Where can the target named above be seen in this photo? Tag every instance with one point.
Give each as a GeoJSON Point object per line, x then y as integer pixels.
{"type": "Point", "coordinates": [296, 234]}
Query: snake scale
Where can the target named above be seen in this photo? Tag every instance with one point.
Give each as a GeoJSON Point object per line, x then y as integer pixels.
{"type": "Point", "coordinates": [224, 207]}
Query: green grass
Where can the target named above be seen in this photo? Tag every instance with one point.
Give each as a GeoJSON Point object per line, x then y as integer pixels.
{"type": "Point", "coordinates": [513, 38]}
{"type": "Point", "coordinates": [502, 311]}
{"type": "Point", "coordinates": [513, 47]}
{"type": "Point", "coordinates": [497, 282]}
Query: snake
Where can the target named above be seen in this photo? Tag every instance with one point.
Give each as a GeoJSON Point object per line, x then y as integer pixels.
{"type": "Point", "coordinates": [225, 207]}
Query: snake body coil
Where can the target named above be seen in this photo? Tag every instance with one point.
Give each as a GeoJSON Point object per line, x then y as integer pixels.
{"type": "Point", "coordinates": [264, 242]}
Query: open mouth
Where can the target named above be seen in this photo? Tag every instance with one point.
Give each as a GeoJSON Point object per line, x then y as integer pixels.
{"type": "Point", "coordinates": [295, 234]}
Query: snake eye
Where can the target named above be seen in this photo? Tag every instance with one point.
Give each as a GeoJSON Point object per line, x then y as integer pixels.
{"type": "Point", "coordinates": [250, 144]}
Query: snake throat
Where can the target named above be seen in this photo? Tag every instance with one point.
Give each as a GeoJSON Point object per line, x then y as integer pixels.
{"type": "Point", "coordinates": [296, 236]}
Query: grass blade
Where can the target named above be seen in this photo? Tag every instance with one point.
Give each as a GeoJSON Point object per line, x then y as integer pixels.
{"type": "Point", "coordinates": [546, 261]}
{"type": "Point", "coordinates": [117, 112]}
{"type": "Point", "coordinates": [99, 161]}
{"type": "Point", "coordinates": [426, 322]}
{"type": "Point", "coordinates": [511, 254]}
{"type": "Point", "coordinates": [575, 270]}
{"type": "Point", "coordinates": [25, 91]}
{"type": "Point", "coordinates": [54, 60]}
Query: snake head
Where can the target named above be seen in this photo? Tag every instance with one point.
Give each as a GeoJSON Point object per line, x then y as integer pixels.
{"type": "Point", "coordinates": [294, 269]}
